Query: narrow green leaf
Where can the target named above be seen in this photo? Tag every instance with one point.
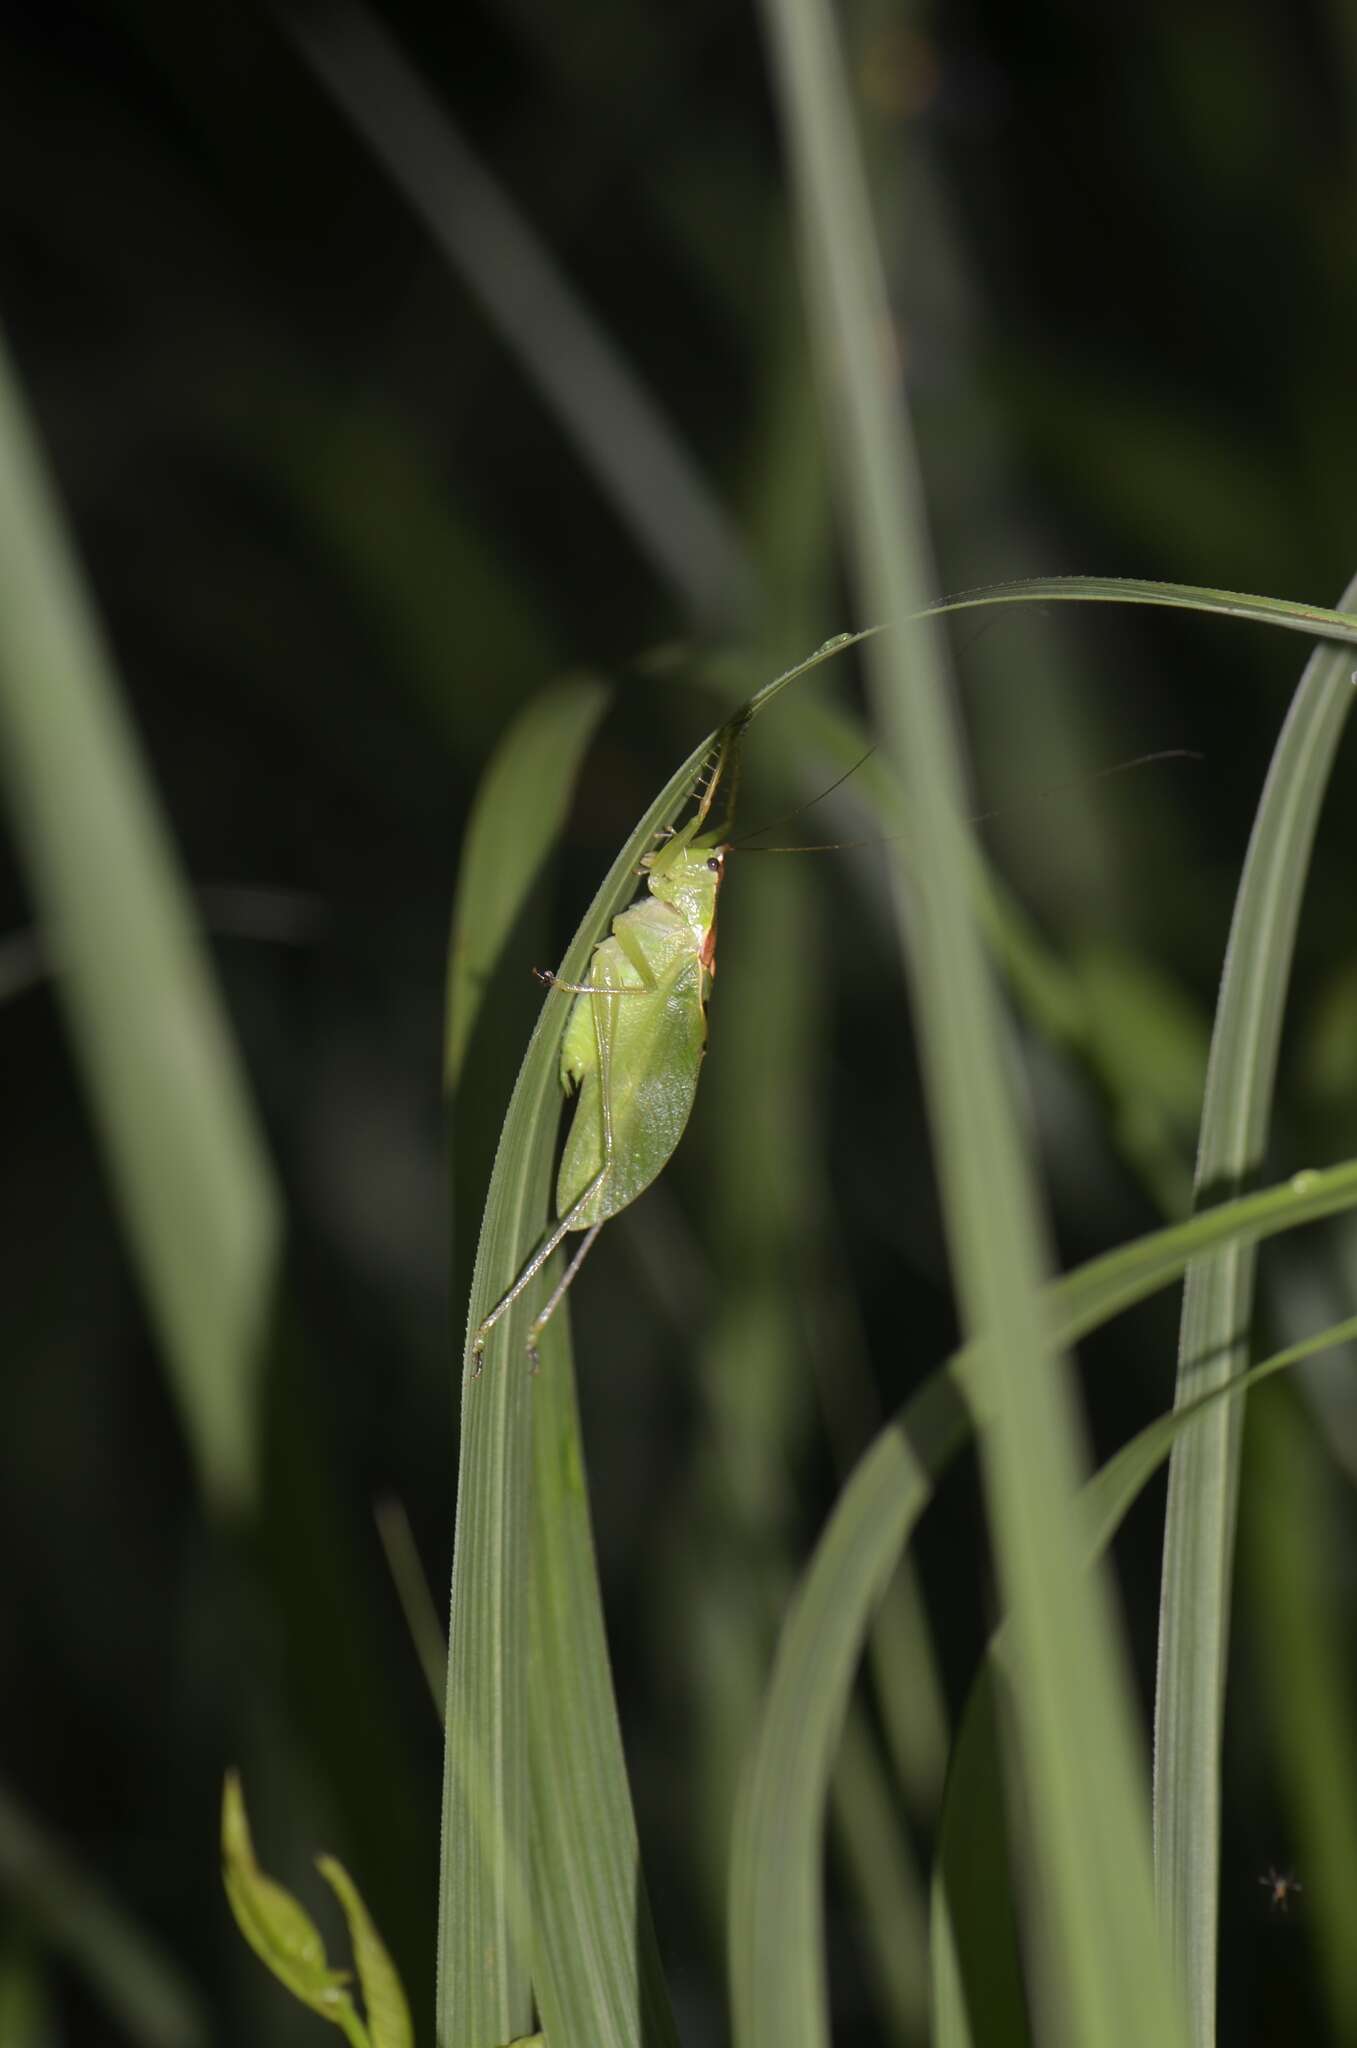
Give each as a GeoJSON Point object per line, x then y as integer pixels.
{"type": "Point", "coordinates": [776, 1926]}
{"type": "Point", "coordinates": [618, 430]}
{"type": "Point", "coordinates": [388, 2013]}
{"type": "Point", "coordinates": [976, 1968]}
{"type": "Point", "coordinates": [887, 1892]}
{"type": "Point", "coordinates": [597, 1970]}
{"type": "Point", "coordinates": [276, 1925]}
{"type": "Point", "coordinates": [977, 1980]}
{"type": "Point", "coordinates": [1295, 1535]}
{"type": "Point", "coordinates": [179, 1135]}
{"type": "Point", "coordinates": [1104, 1974]}
{"type": "Point", "coordinates": [1194, 1617]}
{"type": "Point", "coordinates": [422, 1619]}
{"type": "Point", "coordinates": [520, 807]}
{"type": "Point", "coordinates": [1315, 621]}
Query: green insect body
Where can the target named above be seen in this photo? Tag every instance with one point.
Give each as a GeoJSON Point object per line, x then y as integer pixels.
{"type": "Point", "coordinates": [638, 1051]}
{"type": "Point", "coordinates": [632, 1047]}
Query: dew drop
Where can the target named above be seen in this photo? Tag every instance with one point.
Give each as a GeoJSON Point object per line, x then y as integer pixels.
{"type": "Point", "coordinates": [1305, 1182]}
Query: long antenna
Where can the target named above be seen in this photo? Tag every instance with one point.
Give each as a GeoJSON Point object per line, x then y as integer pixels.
{"type": "Point", "coordinates": [772, 824]}
{"type": "Point", "coordinates": [980, 817]}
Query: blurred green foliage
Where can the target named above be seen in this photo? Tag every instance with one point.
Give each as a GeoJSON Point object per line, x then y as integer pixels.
{"type": "Point", "coordinates": [339, 540]}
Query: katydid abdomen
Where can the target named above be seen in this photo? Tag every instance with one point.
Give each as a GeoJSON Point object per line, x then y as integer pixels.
{"type": "Point", "coordinates": [643, 1047]}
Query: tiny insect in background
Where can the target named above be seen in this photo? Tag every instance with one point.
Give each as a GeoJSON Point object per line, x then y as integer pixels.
{"type": "Point", "coordinates": [1281, 1886]}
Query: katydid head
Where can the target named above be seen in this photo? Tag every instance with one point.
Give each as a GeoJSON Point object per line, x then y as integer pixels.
{"type": "Point", "coordinates": [686, 872]}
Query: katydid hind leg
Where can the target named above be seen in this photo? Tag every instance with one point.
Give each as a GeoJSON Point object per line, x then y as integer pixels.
{"type": "Point", "coordinates": [550, 1243]}
{"type": "Point", "coordinates": [603, 1044]}
{"type": "Point", "coordinates": [565, 1224]}
{"type": "Point", "coordinates": [558, 1294]}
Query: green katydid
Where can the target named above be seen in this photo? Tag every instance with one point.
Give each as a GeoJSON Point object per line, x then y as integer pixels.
{"type": "Point", "coordinates": [636, 1032]}
{"type": "Point", "coordinates": [634, 1040]}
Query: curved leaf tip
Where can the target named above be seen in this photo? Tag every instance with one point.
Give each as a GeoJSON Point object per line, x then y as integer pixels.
{"type": "Point", "coordinates": [287, 1941]}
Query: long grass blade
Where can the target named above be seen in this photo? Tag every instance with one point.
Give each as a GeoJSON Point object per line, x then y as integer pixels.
{"type": "Point", "coordinates": [776, 1908]}
{"type": "Point", "coordinates": [1317, 622]}
{"type": "Point", "coordinates": [179, 1134]}
{"type": "Point", "coordinates": [1194, 1616]}
{"type": "Point", "coordinates": [1104, 1978]}
{"type": "Point", "coordinates": [1293, 1531]}
{"type": "Point", "coordinates": [979, 1994]}
{"type": "Point", "coordinates": [886, 1888]}
{"type": "Point", "coordinates": [597, 1968]}
{"type": "Point", "coordinates": [978, 1991]}
{"type": "Point", "coordinates": [620, 432]}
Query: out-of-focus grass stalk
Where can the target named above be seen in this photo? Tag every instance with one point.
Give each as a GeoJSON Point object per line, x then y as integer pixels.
{"type": "Point", "coordinates": [618, 429]}
{"type": "Point", "coordinates": [975, 1908]}
{"type": "Point", "coordinates": [176, 1124]}
{"type": "Point", "coordinates": [776, 1873]}
{"type": "Point", "coordinates": [1198, 1567]}
{"type": "Point", "coordinates": [1295, 1568]}
{"type": "Point", "coordinates": [1101, 1970]}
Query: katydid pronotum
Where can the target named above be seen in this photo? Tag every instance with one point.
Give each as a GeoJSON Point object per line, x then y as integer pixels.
{"type": "Point", "coordinates": [634, 1040]}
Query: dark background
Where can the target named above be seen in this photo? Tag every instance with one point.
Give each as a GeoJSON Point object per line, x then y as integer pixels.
{"type": "Point", "coordinates": [338, 538]}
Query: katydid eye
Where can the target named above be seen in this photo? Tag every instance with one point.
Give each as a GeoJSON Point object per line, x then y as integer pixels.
{"type": "Point", "coordinates": [715, 863]}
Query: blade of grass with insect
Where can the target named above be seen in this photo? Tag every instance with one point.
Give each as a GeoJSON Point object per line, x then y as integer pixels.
{"type": "Point", "coordinates": [184, 1151]}
{"type": "Point", "coordinates": [776, 1908]}
{"type": "Point", "coordinates": [1292, 1547]}
{"type": "Point", "coordinates": [483, 1981]}
{"type": "Point", "coordinates": [977, 1980]}
{"type": "Point", "coordinates": [1103, 1970]}
{"type": "Point", "coordinates": [1217, 1309]}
